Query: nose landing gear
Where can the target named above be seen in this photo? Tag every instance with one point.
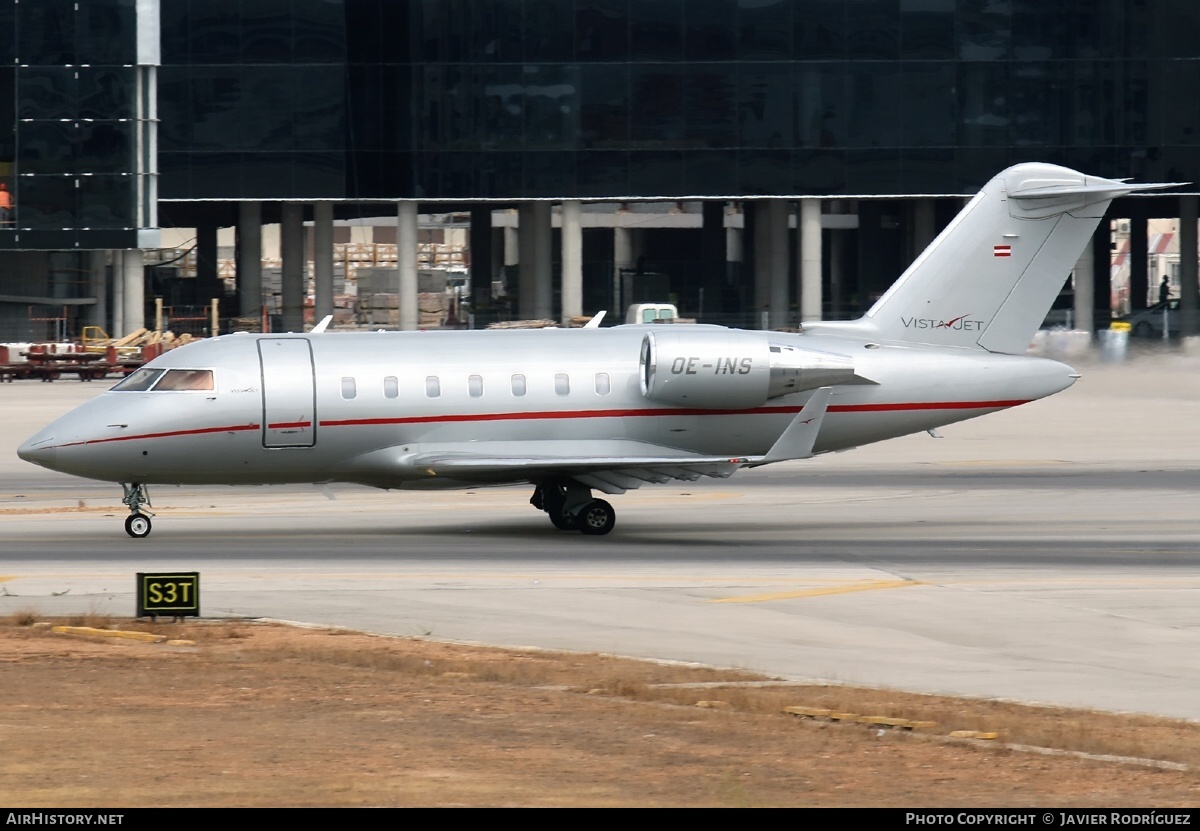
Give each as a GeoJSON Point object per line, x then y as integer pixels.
{"type": "Point", "coordinates": [137, 524]}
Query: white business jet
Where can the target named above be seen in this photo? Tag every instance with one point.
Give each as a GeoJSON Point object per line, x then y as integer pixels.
{"type": "Point", "coordinates": [573, 411]}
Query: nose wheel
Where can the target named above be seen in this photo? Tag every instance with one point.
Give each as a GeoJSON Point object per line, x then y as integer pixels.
{"type": "Point", "coordinates": [137, 524]}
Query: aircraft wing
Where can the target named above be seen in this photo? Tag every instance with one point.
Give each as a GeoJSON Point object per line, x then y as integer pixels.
{"type": "Point", "coordinates": [608, 466]}
{"type": "Point", "coordinates": [611, 466]}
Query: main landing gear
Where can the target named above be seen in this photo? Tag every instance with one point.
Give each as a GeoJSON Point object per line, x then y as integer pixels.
{"type": "Point", "coordinates": [137, 524]}
{"type": "Point", "coordinates": [572, 508]}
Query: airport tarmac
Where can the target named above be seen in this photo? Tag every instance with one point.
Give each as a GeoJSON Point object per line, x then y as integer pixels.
{"type": "Point", "coordinates": [1048, 553]}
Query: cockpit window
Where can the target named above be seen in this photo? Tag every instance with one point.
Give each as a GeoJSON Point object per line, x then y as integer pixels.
{"type": "Point", "coordinates": [186, 379]}
{"type": "Point", "coordinates": [140, 380]}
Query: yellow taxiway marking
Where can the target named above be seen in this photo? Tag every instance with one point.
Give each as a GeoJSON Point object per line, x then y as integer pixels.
{"type": "Point", "coordinates": [858, 587]}
{"type": "Point", "coordinates": [5, 578]}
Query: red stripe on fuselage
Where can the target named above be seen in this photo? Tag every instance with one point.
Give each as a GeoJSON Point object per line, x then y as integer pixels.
{"type": "Point", "coordinates": [556, 414]}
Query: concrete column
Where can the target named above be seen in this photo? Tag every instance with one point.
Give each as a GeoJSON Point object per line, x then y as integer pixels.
{"type": "Point", "coordinates": [1102, 275]}
{"type": "Point", "coordinates": [291, 249]}
{"type": "Point", "coordinates": [135, 291]}
{"type": "Point", "coordinates": [778, 273]}
{"type": "Point", "coordinates": [1085, 289]}
{"type": "Point", "coordinates": [249, 259]}
{"type": "Point", "coordinates": [924, 225]}
{"type": "Point", "coordinates": [499, 237]}
{"type": "Point", "coordinates": [117, 330]}
{"type": "Point", "coordinates": [536, 283]}
{"type": "Point", "coordinates": [760, 254]}
{"type": "Point", "coordinates": [208, 284]}
{"type": "Point", "coordinates": [808, 228]}
{"type": "Point", "coordinates": [322, 261]}
{"type": "Point", "coordinates": [97, 274]}
{"type": "Point", "coordinates": [406, 266]}
{"type": "Point", "coordinates": [1139, 276]}
{"type": "Point", "coordinates": [482, 262]}
{"type": "Point", "coordinates": [622, 258]}
{"type": "Point", "coordinates": [525, 256]}
{"type": "Point", "coordinates": [1189, 286]}
{"type": "Point", "coordinates": [572, 260]}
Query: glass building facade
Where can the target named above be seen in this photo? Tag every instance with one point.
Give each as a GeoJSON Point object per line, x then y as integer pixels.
{"type": "Point", "coordinates": [516, 99]}
{"type": "Point", "coordinates": [73, 102]}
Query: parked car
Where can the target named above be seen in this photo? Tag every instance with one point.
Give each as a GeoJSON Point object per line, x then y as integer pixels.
{"type": "Point", "coordinates": [1148, 323]}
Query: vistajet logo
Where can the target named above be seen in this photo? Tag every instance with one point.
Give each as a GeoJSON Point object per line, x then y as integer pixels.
{"type": "Point", "coordinates": [958, 324]}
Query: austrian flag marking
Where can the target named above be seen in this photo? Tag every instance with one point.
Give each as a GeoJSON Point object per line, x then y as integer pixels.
{"type": "Point", "coordinates": [1002, 251]}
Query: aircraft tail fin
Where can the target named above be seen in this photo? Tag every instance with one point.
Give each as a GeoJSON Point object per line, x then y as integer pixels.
{"type": "Point", "coordinates": [988, 280]}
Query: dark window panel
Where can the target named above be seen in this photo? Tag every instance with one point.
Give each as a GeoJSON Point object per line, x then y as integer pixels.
{"type": "Point", "coordinates": [174, 180]}
{"type": "Point", "coordinates": [107, 92]}
{"type": "Point", "coordinates": [822, 116]}
{"type": "Point", "coordinates": [8, 25]}
{"type": "Point", "coordinates": [656, 113]}
{"type": "Point", "coordinates": [711, 171]}
{"type": "Point", "coordinates": [442, 28]}
{"type": "Point", "coordinates": [107, 202]}
{"type": "Point", "coordinates": [765, 30]}
{"type": "Point", "coordinates": [766, 106]}
{"type": "Point", "coordinates": [983, 104]}
{"type": "Point", "coordinates": [504, 107]}
{"type": "Point", "coordinates": [365, 110]}
{"type": "Point", "coordinates": [874, 104]}
{"type": "Point", "coordinates": [925, 171]}
{"type": "Point", "coordinates": [975, 166]}
{"type": "Point", "coordinates": [820, 30]}
{"type": "Point", "coordinates": [551, 106]}
{"type": "Point", "coordinates": [707, 34]}
{"type": "Point", "coordinates": [175, 32]}
{"type": "Point", "coordinates": [319, 30]}
{"type": "Point", "coordinates": [710, 106]}
{"type": "Point", "coordinates": [47, 147]}
{"type": "Point", "coordinates": [764, 172]}
{"type": "Point", "coordinates": [1128, 110]}
{"type": "Point", "coordinates": [318, 109]}
{"type": "Point", "coordinates": [1040, 29]}
{"type": "Point", "coordinates": [379, 175]}
{"type": "Point", "coordinates": [819, 172]}
{"type": "Point", "coordinates": [601, 30]}
{"type": "Point", "coordinates": [928, 111]}
{"type": "Point", "coordinates": [47, 92]}
{"type": "Point", "coordinates": [106, 147]}
{"type": "Point", "coordinates": [656, 173]}
{"type": "Point", "coordinates": [604, 105]}
{"type": "Point", "coordinates": [873, 29]}
{"type": "Point", "coordinates": [656, 30]}
{"type": "Point", "coordinates": [985, 30]}
{"type": "Point", "coordinates": [266, 111]}
{"type": "Point", "coordinates": [500, 173]}
{"type": "Point", "coordinates": [215, 175]}
{"type": "Point", "coordinates": [548, 174]}
{"type": "Point", "coordinates": [174, 109]}
{"type": "Point", "coordinates": [47, 30]}
{"type": "Point", "coordinates": [365, 31]}
{"type": "Point", "coordinates": [496, 31]}
{"type": "Point", "coordinates": [8, 114]}
{"type": "Point", "coordinates": [927, 30]}
{"type": "Point", "coordinates": [47, 202]}
{"type": "Point", "coordinates": [602, 173]}
{"type": "Point", "coordinates": [266, 32]}
{"type": "Point", "coordinates": [215, 30]}
{"type": "Point", "coordinates": [1180, 82]}
{"type": "Point", "coordinates": [316, 175]}
{"type": "Point", "coordinates": [872, 171]}
{"type": "Point", "coordinates": [106, 32]}
{"type": "Point", "coordinates": [1040, 116]}
{"type": "Point", "coordinates": [216, 108]}
{"type": "Point", "coordinates": [547, 24]}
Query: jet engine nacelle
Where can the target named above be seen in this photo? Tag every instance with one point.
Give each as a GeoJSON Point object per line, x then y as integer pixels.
{"type": "Point", "coordinates": [731, 369]}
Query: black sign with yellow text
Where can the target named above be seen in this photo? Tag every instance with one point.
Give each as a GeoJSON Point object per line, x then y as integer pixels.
{"type": "Point", "coordinates": [176, 594]}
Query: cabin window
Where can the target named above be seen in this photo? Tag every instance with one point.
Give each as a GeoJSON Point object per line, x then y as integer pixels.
{"type": "Point", "coordinates": [391, 387]}
{"type": "Point", "coordinates": [349, 389]}
{"type": "Point", "coordinates": [139, 381]}
{"type": "Point", "coordinates": [518, 385]}
{"type": "Point", "coordinates": [475, 385]}
{"type": "Point", "coordinates": [603, 386]}
{"type": "Point", "coordinates": [562, 384]}
{"type": "Point", "coordinates": [186, 379]}
{"type": "Point", "coordinates": [433, 387]}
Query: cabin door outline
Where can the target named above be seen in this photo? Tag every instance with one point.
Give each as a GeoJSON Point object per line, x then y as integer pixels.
{"type": "Point", "coordinates": [289, 392]}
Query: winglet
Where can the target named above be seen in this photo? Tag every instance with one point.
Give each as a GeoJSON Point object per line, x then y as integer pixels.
{"type": "Point", "coordinates": [320, 327]}
{"type": "Point", "coordinates": [798, 439]}
{"type": "Point", "coordinates": [594, 323]}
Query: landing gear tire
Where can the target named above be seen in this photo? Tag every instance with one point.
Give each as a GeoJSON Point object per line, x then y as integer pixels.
{"type": "Point", "coordinates": [596, 518]}
{"type": "Point", "coordinates": [137, 525]}
{"type": "Point", "coordinates": [562, 520]}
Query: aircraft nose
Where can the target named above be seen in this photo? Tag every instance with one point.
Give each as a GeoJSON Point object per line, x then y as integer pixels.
{"type": "Point", "coordinates": [39, 451]}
